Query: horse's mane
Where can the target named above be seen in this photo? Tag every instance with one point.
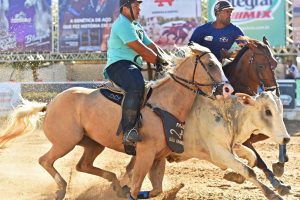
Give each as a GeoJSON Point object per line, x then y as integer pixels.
{"type": "Point", "coordinates": [175, 57]}
{"type": "Point", "coordinates": [242, 51]}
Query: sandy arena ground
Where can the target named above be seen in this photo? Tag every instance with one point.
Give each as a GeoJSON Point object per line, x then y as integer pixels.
{"type": "Point", "coordinates": [22, 178]}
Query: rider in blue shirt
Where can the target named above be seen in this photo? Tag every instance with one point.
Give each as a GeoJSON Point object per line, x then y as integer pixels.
{"type": "Point", "coordinates": [128, 45]}
{"type": "Point", "coordinates": [220, 34]}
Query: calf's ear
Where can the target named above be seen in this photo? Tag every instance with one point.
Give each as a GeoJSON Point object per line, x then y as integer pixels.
{"type": "Point", "coordinates": [245, 99]}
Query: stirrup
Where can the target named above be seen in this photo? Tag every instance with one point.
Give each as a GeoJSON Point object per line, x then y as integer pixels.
{"type": "Point", "coordinates": [131, 137]}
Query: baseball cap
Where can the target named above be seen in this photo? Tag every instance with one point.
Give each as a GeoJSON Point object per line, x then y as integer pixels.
{"type": "Point", "coordinates": [127, 2]}
{"type": "Point", "coordinates": [222, 5]}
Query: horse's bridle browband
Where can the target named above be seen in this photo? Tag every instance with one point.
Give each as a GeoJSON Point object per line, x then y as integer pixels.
{"type": "Point", "coordinates": [198, 91]}
{"type": "Point", "coordinates": [262, 81]}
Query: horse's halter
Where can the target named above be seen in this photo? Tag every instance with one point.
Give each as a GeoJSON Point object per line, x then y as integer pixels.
{"type": "Point", "coordinates": [187, 84]}
{"type": "Point", "coordinates": [252, 61]}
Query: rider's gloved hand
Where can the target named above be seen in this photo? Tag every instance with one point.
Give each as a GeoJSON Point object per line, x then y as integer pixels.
{"type": "Point", "coordinates": [160, 63]}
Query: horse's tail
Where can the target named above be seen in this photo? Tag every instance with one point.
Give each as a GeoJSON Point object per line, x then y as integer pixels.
{"type": "Point", "coordinates": [22, 120]}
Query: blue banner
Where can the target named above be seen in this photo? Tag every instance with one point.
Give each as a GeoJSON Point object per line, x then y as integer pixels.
{"type": "Point", "coordinates": [25, 25]}
{"type": "Point", "coordinates": [85, 25]}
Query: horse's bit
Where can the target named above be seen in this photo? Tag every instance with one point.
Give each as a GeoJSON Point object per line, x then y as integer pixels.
{"type": "Point", "coordinates": [187, 84]}
{"type": "Point", "coordinates": [262, 81]}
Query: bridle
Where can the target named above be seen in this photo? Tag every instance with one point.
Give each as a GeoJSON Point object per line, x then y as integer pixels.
{"type": "Point", "coordinates": [253, 61]}
{"type": "Point", "coordinates": [190, 84]}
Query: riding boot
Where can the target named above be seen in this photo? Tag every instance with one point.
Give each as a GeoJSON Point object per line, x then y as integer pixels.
{"type": "Point", "coordinates": [130, 113]}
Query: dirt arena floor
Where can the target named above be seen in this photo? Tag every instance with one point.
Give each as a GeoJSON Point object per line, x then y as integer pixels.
{"type": "Point", "coordinates": [22, 178]}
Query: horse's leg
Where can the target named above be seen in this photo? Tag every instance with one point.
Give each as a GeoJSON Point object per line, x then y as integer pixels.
{"type": "Point", "coordinates": [91, 150]}
{"type": "Point", "coordinates": [141, 167]}
{"type": "Point", "coordinates": [223, 156]}
{"type": "Point", "coordinates": [277, 184]}
{"type": "Point", "coordinates": [156, 176]}
{"type": "Point", "coordinates": [47, 161]}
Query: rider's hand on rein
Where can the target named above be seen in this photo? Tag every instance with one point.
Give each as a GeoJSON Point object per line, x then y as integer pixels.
{"type": "Point", "coordinates": [160, 63]}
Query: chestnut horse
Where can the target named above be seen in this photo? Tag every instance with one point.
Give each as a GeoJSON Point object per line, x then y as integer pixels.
{"type": "Point", "coordinates": [252, 67]}
{"type": "Point", "coordinates": [81, 116]}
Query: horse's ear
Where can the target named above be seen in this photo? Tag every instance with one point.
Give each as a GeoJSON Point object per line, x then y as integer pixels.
{"type": "Point", "coordinates": [224, 53]}
{"type": "Point", "coordinates": [252, 45]}
{"type": "Point", "coordinates": [266, 41]}
{"type": "Point", "coordinates": [194, 47]}
{"type": "Point", "coordinates": [245, 99]}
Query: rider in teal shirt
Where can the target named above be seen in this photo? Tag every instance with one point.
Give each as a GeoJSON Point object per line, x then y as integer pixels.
{"type": "Point", "coordinates": [128, 45]}
{"type": "Point", "coordinates": [117, 43]}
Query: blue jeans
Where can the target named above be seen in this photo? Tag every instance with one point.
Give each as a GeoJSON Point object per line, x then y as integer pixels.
{"type": "Point", "coordinates": [129, 77]}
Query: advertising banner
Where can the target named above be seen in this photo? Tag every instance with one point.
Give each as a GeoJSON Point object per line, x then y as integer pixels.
{"type": "Point", "coordinates": [10, 97]}
{"type": "Point", "coordinates": [258, 18]}
{"type": "Point", "coordinates": [169, 22]}
{"type": "Point", "coordinates": [296, 22]}
{"type": "Point", "coordinates": [85, 25]}
{"type": "Point", "coordinates": [25, 25]}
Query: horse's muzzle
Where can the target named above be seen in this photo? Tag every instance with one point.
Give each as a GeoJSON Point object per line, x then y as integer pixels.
{"type": "Point", "coordinates": [223, 91]}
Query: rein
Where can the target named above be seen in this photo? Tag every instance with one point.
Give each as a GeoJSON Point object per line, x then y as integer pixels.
{"type": "Point", "coordinates": [187, 84]}
{"type": "Point", "coordinates": [262, 81]}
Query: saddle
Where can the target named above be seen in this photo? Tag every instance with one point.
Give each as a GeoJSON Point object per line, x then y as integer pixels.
{"type": "Point", "coordinates": [116, 94]}
{"type": "Point", "coordinates": [173, 128]}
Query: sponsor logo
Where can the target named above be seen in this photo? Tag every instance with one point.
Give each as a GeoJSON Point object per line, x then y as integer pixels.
{"type": "Point", "coordinates": [160, 3]}
{"type": "Point", "coordinates": [286, 99]}
{"type": "Point", "coordinates": [20, 18]}
{"type": "Point", "coordinates": [223, 39]}
{"type": "Point", "coordinates": [208, 38]}
{"type": "Point", "coordinates": [254, 9]}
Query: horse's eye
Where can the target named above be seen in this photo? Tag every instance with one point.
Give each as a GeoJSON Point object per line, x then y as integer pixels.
{"type": "Point", "coordinates": [210, 64]}
{"type": "Point", "coordinates": [261, 66]}
{"type": "Point", "coordinates": [268, 113]}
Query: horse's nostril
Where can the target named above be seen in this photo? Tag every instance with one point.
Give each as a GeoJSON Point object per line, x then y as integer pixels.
{"type": "Point", "coordinates": [227, 89]}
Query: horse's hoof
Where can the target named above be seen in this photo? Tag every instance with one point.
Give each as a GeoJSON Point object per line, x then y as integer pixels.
{"type": "Point", "coordinates": [124, 192]}
{"type": "Point", "coordinates": [60, 194]}
{"type": "Point", "coordinates": [171, 194]}
{"type": "Point", "coordinates": [234, 177]}
{"type": "Point", "coordinates": [276, 197]}
{"type": "Point", "coordinates": [284, 190]}
{"type": "Point", "coordinates": [278, 169]}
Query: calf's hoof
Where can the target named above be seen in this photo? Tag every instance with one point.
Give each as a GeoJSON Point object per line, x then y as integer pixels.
{"type": "Point", "coordinates": [234, 177]}
{"type": "Point", "coordinates": [278, 169]}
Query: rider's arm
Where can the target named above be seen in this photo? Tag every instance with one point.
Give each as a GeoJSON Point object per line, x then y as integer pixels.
{"type": "Point", "coordinates": [146, 52]}
{"type": "Point", "coordinates": [156, 48]}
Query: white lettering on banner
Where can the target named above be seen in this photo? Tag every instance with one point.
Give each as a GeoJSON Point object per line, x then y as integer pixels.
{"type": "Point", "coordinates": [247, 11]}
{"type": "Point", "coordinates": [10, 97]}
{"type": "Point", "coordinates": [8, 42]}
{"type": "Point", "coordinates": [251, 4]}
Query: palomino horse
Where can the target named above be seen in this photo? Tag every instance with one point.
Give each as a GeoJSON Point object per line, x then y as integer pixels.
{"type": "Point", "coordinates": [81, 116]}
{"type": "Point", "coordinates": [252, 67]}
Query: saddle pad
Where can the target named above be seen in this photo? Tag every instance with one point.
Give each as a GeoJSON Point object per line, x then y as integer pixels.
{"type": "Point", "coordinates": [173, 129]}
{"type": "Point", "coordinates": [115, 97]}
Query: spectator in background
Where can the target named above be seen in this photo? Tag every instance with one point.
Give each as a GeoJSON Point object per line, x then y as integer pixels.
{"type": "Point", "coordinates": [292, 71]}
{"type": "Point", "coordinates": [219, 34]}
